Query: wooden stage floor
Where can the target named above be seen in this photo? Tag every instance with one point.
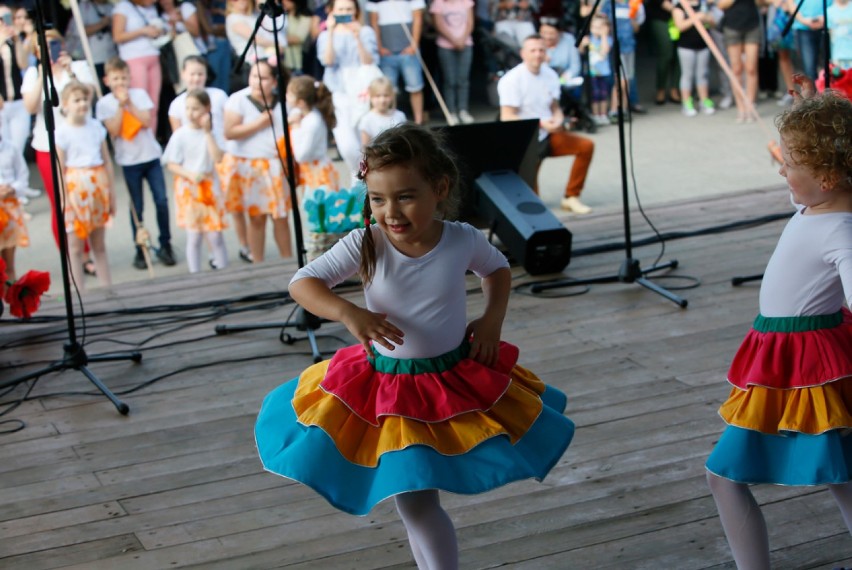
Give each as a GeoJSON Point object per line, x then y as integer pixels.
{"type": "Point", "coordinates": [177, 483]}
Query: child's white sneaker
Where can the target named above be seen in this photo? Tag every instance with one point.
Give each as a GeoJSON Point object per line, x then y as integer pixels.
{"type": "Point", "coordinates": [689, 107]}
{"type": "Point", "coordinates": [707, 106]}
{"type": "Point", "coordinates": [452, 119]}
{"type": "Point", "coordinates": [465, 117]}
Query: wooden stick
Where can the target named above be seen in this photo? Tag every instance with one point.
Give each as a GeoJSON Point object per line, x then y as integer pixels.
{"type": "Point", "coordinates": [428, 75]}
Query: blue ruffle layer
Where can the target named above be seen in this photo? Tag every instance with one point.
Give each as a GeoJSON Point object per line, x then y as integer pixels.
{"type": "Point", "coordinates": [308, 455]}
{"type": "Point", "coordinates": [748, 456]}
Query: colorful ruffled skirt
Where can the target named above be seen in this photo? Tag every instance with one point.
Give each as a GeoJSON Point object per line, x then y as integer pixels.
{"type": "Point", "coordinates": [200, 207]}
{"type": "Point", "coordinates": [87, 200]}
{"type": "Point", "coordinates": [789, 412]}
{"type": "Point", "coordinates": [255, 186]}
{"type": "Point", "coordinates": [13, 228]}
{"type": "Point", "coordinates": [360, 430]}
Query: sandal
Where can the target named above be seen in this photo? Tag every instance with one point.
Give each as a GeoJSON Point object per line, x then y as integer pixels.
{"type": "Point", "coordinates": [89, 267]}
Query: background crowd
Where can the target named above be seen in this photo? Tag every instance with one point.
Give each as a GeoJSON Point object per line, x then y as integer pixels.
{"type": "Point", "coordinates": [359, 55]}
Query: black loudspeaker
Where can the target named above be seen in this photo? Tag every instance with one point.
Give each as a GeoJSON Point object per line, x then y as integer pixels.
{"type": "Point", "coordinates": [531, 233]}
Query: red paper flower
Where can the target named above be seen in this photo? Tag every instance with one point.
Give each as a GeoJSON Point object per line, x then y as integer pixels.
{"type": "Point", "coordinates": [24, 295]}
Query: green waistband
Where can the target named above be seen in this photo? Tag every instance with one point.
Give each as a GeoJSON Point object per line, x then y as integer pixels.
{"type": "Point", "coordinates": [797, 324]}
{"type": "Point", "coordinates": [440, 363]}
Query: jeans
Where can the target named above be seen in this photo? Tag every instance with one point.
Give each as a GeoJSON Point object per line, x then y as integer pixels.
{"type": "Point", "coordinates": [152, 172]}
{"type": "Point", "coordinates": [219, 61]}
{"type": "Point", "coordinates": [808, 44]}
{"type": "Point", "coordinates": [408, 65]}
{"type": "Point", "coordinates": [455, 65]}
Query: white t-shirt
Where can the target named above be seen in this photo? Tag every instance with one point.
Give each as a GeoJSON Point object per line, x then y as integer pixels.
{"type": "Point", "coordinates": [810, 271]}
{"type": "Point", "coordinates": [310, 138]}
{"type": "Point", "coordinates": [531, 93]}
{"type": "Point", "coordinates": [144, 146]}
{"type": "Point", "coordinates": [82, 144]}
{"type": "Point", "coordinates": [424, 296]}
{"type": "Point", "coordinates": [188, 147]}
{"type": "Point", "coordinates": [218, 98]}
{"type": "Point", "coordinates": [374, 123]}
{"type": "Point", "coordinates": [32, 82]}
{"type": "Point", "coordinates": [187, 9]}
{"type": "Point", "coordinates": [262, 144]}
{"type": "Point", "coordinates": [137, 17]}
{"type": "Point", "coordinates": [13, 168]}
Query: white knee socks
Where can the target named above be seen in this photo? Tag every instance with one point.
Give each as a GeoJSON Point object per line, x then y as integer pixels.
{"type": "Point", "coordinates": [430, 530]}
{"type": "Point", "coordinates": [742, 522]}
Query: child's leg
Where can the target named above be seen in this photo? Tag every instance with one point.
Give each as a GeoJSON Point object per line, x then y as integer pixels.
{"type": "Point", "coordinates": [430, 530]}
{"type": "Point", "coordinates": [843, 496]}
{"type": "Point", "coordinates": [75, 259]}
{"type": "Point", "coordinates": [97, 239]}
{"type": "Point", "coordinates": [785, 64]}
{"type": "Point", "coordinates": [8, 255]}
{"type": "Point", "coordinates": [735, 54]}
{"type": "Point", "coordinates": [257, 236]}
{"type": "Point", "coordinates": [157, 183]}
{"type": "Point", "coordinates": [194, 241]}
{"type": "Point", "coordinates": [702, 73]}
{"type": "Point", "coordinates": [686, 57]}
{"type": "Point", "coordinates": [217, 245]}
{"type": "Point", "coordinates": [281, 233]}
{"type": "Point", "coordinates": [241, 229]}
{"type": "Point", "coordinates": [742, 522]}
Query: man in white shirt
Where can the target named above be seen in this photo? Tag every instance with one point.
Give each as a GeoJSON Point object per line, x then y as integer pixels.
{"type": "Point", "coordinates": [531, 90]}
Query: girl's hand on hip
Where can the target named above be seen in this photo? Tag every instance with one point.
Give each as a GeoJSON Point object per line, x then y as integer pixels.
{"type": "Point", "coordinates": [485, 342]}
{"type": "Point", "coordinates": [368, 327]}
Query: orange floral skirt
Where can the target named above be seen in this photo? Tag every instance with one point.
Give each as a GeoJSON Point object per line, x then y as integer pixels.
{"type": "Point", "coordinates": [200, 206]}
{"type": "Point", "coordinates": [255, 186]}
{"type": "Point", "coordinates": [86, 200]}
{"type": "Point", "coordinates": [13, 231]}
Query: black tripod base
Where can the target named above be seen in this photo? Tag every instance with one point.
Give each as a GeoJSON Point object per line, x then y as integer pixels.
{"type": "Point", "coordinates": [305, 321]}
{"type": "Point", "coordinates": [77, 359]}
{"type": "Point", "coordinates": [629, 272]}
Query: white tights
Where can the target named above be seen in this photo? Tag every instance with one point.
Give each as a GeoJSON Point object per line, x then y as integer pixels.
{"type": "Point", "coordinates": [194, 241]}
{"type": "Point", "coordinates": [744, 525]}
{"type": "Point", "coordinates": [430, 530]}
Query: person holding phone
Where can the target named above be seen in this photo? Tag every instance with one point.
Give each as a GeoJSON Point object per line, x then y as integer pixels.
{"type": "Point", "coordinates": [345, 44]}
{"type": "Point", "coordinates": [64, 70]}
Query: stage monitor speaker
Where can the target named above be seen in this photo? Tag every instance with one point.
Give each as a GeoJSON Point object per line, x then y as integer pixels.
{"type": "Point", "coordinates": [533, 235]}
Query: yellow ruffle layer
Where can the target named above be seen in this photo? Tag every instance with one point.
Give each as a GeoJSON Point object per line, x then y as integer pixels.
{"type": "Point", "coordinates": [812, 410]}
{"type": "Point", "coordinates": [363, 443]}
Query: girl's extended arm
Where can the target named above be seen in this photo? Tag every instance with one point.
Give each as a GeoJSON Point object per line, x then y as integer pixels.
{"type": "Point", "coordinates": [486, 329]}
{"type": "Point", "coordinates": [315, 297]}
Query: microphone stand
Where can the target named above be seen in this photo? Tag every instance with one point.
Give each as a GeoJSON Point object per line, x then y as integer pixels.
{"type": "Point", "coordinates": [630, 270]}
{"type": "Point", "coordinates": [304, 321]}
{"type": "Point", "coordinates": [75, 356]}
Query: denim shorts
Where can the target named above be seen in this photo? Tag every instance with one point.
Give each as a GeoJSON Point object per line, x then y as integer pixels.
{"type": "Point", "coordinates": [412, 75]}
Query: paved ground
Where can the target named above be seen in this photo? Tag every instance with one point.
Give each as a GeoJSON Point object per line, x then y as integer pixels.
{"type": "Point", "coordinates": [674, 158]}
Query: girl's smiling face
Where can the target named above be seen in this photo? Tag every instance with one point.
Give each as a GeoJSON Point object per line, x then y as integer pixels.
{"type": "Point", "coordinates": [404, 206]}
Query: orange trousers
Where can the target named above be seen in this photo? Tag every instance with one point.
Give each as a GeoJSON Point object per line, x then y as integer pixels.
{"type": "Point", "coordinates": [563, 143]}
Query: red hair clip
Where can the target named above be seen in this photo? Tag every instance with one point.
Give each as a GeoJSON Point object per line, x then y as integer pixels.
{"type": "Point", "coordinates": [362, 169]}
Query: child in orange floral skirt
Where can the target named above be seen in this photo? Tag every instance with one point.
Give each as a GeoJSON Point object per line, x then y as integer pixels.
{"type": "Point", "coordinates": [331, 212]}
{"type": "Point", "coordinates": [14, 178]}
{"type": "Point", "coordinates": [191, 156]}
{"type": "Point", "coordinates": [251, 172]}
{"type": "Point", "coordinates": [89, 197]}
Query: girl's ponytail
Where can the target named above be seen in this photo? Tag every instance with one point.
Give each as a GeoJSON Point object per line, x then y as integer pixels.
{"type": "Point", "coordinates": [367, 266]}
{"type": "Point", "coordinates": [325, 105]}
